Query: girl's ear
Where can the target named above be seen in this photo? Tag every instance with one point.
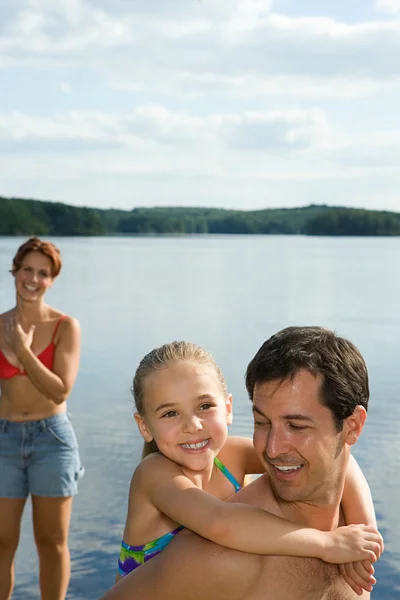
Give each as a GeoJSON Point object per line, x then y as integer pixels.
{"type": "Point", "coordinates": [143, 428]}
{"type": "Point", "coordinates": [229, 409]}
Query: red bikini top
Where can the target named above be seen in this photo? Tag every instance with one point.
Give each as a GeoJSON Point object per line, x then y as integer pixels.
{"type": "Point", "coordinates": [46, 357]}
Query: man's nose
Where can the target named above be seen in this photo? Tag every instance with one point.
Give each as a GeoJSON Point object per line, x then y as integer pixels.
{"type": "Point", "coordinates": [277, 442]}
{"type": "Point", "coordinates": [192, 424]}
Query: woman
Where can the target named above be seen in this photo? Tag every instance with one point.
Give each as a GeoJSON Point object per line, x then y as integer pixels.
{"type": "Point", "coordinates": [39, 358]}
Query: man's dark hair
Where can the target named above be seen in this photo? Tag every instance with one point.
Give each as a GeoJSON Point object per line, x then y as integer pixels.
{"type": "Point", "coordinates": [320, 351]}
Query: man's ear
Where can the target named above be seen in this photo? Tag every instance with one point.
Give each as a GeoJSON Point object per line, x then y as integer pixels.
{"type": "Point", "coordinates": [229, 409]}
{"type": "Point", "coordinates": [143, 428]}
{"type": "Point", "coordinates": [355, 424]}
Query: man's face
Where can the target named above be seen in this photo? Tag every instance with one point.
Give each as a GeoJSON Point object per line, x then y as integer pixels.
{"type": "Point", "coordinates": [296, 438]}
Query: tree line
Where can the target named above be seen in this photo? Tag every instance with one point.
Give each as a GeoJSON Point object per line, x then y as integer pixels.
{"type": "Point", "coordinates": [19, 216]}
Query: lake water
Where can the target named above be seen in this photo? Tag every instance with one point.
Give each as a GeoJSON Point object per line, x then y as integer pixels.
{"type": "Point", "coordinates": [228, 293]}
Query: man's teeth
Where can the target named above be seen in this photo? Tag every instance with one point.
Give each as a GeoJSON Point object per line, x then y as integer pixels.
{"type": "Point", "coordinates": [282, 468]}
{"type": "Point", "coordinates": [195, 446]}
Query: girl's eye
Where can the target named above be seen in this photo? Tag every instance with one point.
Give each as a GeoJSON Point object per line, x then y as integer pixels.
{"type": "Point", "coordinates": [169, 414]}
{"type": "Point", "coordinates": [206, 406]}
{"type": "Point", "coordinates": [43, 274]}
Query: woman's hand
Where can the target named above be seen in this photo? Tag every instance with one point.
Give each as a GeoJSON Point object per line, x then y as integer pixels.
{"type": "Point", "coordinates": [16, 338]}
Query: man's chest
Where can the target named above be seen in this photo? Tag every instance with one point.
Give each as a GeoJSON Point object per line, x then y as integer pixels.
{"type": "Point", "coordinates": [291, 578]}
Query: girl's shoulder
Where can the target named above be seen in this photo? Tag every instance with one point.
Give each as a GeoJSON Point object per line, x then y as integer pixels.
{"type": "Point", "coordinates": [240, 452]}
{"type": "Point", "coordinates": [237, 447]}
{"type": "Point", "coordinates": [154, 467]}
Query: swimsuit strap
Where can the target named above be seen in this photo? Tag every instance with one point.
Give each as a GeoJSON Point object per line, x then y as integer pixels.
{"type": "Point", "coordinates": [57, 326]}
{"type": "Point", "coordinates": [227, 474]}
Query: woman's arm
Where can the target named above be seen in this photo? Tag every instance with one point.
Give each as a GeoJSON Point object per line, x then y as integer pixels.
{"type": "Point", "coordinates": [248, 528]}
{"type": "Point", "coordinates": [58, 383]}
{"type": "Point", "coordinates": [357, 502]}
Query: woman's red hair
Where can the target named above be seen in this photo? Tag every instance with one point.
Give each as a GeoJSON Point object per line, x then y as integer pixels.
{"type": "Point", "coordinates": [34, 244]}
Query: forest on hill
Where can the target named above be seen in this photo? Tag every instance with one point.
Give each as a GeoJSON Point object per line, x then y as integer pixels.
{"type": "Point", "coordinates": [19, 216]}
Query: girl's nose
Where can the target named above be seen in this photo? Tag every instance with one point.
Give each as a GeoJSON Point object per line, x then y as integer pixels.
{"type": "Point", "coordinates": [193, 424]}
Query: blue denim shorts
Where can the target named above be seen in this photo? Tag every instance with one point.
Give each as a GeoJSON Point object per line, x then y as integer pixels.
{"type": "Point", "coordinates": [39, 458]}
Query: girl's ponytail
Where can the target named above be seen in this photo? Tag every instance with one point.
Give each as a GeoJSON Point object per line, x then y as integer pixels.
{"type": "Point", "coordinates": [149, 448]}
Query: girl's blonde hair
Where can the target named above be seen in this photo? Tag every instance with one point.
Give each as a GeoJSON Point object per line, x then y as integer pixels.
{"type": "Point", "coordinates": [160, 358]}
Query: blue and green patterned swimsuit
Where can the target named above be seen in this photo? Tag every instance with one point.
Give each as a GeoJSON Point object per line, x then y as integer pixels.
{"type": "Point", "coordinates": [132, 557]}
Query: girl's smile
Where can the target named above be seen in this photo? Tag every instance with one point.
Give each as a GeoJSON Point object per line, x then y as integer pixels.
{"type": "Point", "coordinates": [187, 414]}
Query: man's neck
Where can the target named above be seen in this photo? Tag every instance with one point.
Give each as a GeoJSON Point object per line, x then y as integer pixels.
{"type": "Point", "coordinates": [322, 513]}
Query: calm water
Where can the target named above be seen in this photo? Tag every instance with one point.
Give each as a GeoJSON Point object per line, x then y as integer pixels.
{"type": "Point", "coordinates": [229, 294]}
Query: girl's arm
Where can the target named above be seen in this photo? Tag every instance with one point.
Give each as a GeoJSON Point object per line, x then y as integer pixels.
{"type": "Point", "coordinates": [357, 507]}
{"type": "Point", "coordinates": [58, 383]}
{"type": "Point", "coordinates": [248, 528]}
{"type": "Point", "coordinates": [357, 502]}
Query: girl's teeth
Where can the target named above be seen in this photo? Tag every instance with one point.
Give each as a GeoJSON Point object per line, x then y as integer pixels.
{"type": "Point", "coordinates": [195, 446]}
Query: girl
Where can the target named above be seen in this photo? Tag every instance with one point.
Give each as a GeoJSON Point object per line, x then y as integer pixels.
{"type": "Point", "coordinates": [39, 358]}
{"type": "Point", "coordinates": [191, 466]}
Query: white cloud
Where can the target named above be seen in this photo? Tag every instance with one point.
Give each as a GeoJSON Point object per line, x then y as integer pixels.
{"type": "Point", "coordinates": [290, 129]}
{"type": "Point", "coordinates": [278, 130]}
{"type": "Point", "coordinates": [389, 6]}
{"type": "Point", "coordinates": [241, 40]}
{"type": "Point", "coordinates": [64, 86]}
{"type": "Point", "coordinates": [200, 99]}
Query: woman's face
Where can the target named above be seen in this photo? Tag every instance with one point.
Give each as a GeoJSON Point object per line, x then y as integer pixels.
{"type": "Point", "coordinates": [34, 276]}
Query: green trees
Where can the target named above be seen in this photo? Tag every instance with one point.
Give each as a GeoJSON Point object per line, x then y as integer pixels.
{"type": "Point", "coordinates": [348, 221]}
{"type": "Point", "coordinates": [26, 217]}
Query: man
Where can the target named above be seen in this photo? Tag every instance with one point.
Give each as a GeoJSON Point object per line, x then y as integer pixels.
{"type": "Point", "coordinates": [309, 391]}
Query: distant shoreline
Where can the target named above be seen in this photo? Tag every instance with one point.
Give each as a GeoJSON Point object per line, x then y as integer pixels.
{"type": "Point", "coordinates": [19, 216]}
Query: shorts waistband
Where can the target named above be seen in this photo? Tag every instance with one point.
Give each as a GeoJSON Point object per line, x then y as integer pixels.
{"type": "Point", "coordinates": [35, 425]}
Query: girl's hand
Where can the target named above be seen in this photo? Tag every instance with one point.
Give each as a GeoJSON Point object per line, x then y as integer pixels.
{"type": "Point", "coordinates": [352, 543]}
{"type": "Point", "coordinates": [358, 575]}
{"type": "Point", "coordinates": [16, 338]}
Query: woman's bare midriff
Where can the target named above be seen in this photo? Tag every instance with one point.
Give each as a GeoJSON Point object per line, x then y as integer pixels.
{"type": "Point", "coordinates": [21, 401]}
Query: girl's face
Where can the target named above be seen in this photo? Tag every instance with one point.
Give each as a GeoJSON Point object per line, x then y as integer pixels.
{"type": "Point", "coordinates": [187, 413]}
{"type": "Point", "coordinates": [34, 276]}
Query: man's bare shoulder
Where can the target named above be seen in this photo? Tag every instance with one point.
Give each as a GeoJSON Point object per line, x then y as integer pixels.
{"type": "Point", "coordinates": [191, 568]}
{"type": "Point", "coordinates": [257, 493]}
{"type": "Point", "coordinates": [216, 571]}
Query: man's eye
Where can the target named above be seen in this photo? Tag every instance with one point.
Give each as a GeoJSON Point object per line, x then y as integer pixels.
{"type": "Point", "coordinates": [297, 427]}
{"type": "Point", "coordinates": [260, 423]}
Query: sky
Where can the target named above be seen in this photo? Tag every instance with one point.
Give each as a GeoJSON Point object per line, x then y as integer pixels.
{"type": "Point", "coordinates": [244, 104]}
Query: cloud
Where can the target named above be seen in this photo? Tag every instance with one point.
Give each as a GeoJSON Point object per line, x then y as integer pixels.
{"type": "Point", "coordinates": [278, 130]}
{"type": "Point", "coordinates": [202, 100]}
{"type": "Point", "coordinates": [226, 46]}
{"type": "Point", "coordinates": [286, 129]}
{"type": "Point", "coordinates": [388, 6]}
{"type": "Point", "coordinates": [64, 86]}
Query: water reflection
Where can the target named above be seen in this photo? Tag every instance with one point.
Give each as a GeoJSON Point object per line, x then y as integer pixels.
{"type": "Point", "coordinates": [229, 294]}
